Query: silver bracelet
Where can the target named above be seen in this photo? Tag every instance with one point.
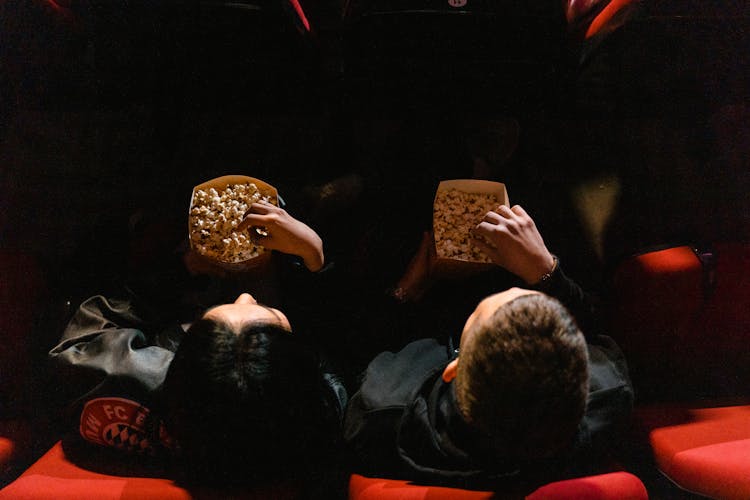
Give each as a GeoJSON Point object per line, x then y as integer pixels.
{"type": "Point", "coordinates": [546, 276]}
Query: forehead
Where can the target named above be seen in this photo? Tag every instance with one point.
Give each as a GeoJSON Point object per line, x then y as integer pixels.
{"type": "Point", "coordinates": [240, 315]}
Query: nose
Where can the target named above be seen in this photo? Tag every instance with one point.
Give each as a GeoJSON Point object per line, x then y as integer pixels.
{"type": "Point", "coordinates": [245, 298]}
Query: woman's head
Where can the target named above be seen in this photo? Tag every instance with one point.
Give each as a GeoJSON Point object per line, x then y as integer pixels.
{"type": "Point", "coordinates": [241, 394]}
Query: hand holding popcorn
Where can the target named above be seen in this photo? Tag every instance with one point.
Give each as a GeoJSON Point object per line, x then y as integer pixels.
{"type": "Point", "coordinates": [511, 239]}
{"type": "Point", "coordinates": [277, 230]}
{"type": "Point", "coordinates": [214, 217]}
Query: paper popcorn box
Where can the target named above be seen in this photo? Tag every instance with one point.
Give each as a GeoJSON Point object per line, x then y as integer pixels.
{"type": "Point", "coordinates": [459, 205]}
{"type": "Point", "coordinates": [233, 262]}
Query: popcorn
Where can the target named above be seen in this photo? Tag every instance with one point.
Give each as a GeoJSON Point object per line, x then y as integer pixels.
{"type": "Point", "coordinates": [214, 215]}
{"type": "Point", "coordinates": [455, 214]}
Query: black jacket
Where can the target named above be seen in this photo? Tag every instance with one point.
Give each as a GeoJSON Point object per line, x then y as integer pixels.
{"type": "Point", "coordinates": [403, 421]}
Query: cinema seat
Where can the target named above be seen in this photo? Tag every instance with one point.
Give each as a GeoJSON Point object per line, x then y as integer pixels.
{"type": "Point", "coordinates": [681, 315]}
{"type": "Point", "coordinates": [55, 477]}
{"type": "Point", "coordinates": [611, 486]}
{"type": "Point", "coordinates": [588, 19]}
{"type": "Point", "coordinates": [703, 450]}
{"type": "Point", "coordinates": [684, 320]}
{"type": "Point", "coordinates": [21, 291]}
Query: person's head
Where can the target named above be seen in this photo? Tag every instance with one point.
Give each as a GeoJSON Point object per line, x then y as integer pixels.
{"type": "Point", "coordinates": [243, 395]}
{"type": "Point", "coordinates": [521, 377]}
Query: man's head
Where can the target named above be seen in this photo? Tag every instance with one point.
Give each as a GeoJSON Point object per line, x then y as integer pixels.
{"type": "Point", "coordinates": [244, 397]}
{"type": "Point", "coordinates": [521, 377]}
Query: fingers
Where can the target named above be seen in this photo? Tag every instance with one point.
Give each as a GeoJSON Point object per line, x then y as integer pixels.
{"type": "Point", "coordinates": [484, 228]}
{"type": "Point", "coordinates": [261, 213]}
{"type": "Point", "coordinates": [493, 218]}
{"type": "Point", "coordinates": [252, 219]}
{"type": "Point", "coordinates": [512, 213]}
{"type": "Point", "coordinates": [260, 207]}
{"type": "Point", "coordinates": [518, 210]}
{"type": "Point", "coordinates": [486, 249]}
{"type": "Point", "coordinates": [505, 211]}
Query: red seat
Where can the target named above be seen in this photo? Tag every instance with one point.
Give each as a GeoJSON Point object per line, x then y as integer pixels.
{"type": "Point", "coordinates": [683, 321]}
{"type": "Point", "coordinates": [55, 477]}
{"type": "Point", "coordinates": [702, 450]}
{"type": "Point", "coordinates": [589, 18]}
{"type": "Point", "coordinates": [21, 292]}
{"type": "Point", "coordinates": [612, 486]}
{"type": "Point", "coordinates": [15, 436]}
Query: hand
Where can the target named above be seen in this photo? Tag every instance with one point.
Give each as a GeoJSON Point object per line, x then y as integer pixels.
{"type": "Point", "coordinates": [510, 238]}
{"type": "Point", "coordinates": [284, 233]}
{"type": "Point", "coordinates": [417, 278]}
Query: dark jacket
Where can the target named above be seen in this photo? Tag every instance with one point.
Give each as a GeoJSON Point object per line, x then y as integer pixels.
{"type": "Point", "coordinates": [403, 422]}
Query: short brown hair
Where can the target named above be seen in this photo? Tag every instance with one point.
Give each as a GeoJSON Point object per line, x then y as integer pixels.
{"type": "Point", "coordinates": [522, 378]}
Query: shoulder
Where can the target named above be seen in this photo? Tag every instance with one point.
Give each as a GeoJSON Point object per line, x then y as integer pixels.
{"type": "Point", "coordinates": [607, 365]}
{"type": "Point", "coordinates": [391, 378]}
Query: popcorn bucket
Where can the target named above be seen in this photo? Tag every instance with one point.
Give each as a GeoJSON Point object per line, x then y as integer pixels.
{"type": "Point", "coordinates": [459, 205]}
{"type": "Point", "coordinates": [211, 236]}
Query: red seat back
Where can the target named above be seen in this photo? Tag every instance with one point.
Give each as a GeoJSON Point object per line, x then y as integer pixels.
{"type": "Point", "coordinates": [683, 320]}
{"type": "Point", "coordinates": [21, 298]}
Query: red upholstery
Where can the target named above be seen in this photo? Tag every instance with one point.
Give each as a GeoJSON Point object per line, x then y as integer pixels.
{"type": "Point", "coordinates": [20, 296]}
{"type": "Point", "coordinates": [605, 16]}
{"type": "Point", "coordinates": [366, 488]}
{"type": "Point", "coordinates": [612, 486]}
{"type": "Point", "coordinates": [15, 435]}
{"type": "Point", "coordinates": [56, 478]}
{"type": "Point", "coordinates": [7, 452]}
{"type": "Point", "coordinates": [300, 13]}
{"type": "Point", "coordinates": [658, 297]}
{"type": "Point", "coordinates": [685, 325]}
{"type": "Point", "coordinates": [704, 450]}
{"type": "Point", "coordinates": [588, 18]}
{"type": "Point", "coordinates": [21, 292]}
{"type": "Point", "coordinates": [726, 318]}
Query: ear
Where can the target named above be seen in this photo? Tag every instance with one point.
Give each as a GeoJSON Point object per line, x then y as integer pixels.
{"type": "Point", "coordinates": [449, 372]}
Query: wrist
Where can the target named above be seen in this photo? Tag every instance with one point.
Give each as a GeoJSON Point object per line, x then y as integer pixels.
{"type": "Point", "coordinates": [315, 258]}
{"type": "Point", "coordinates": [551, 267]}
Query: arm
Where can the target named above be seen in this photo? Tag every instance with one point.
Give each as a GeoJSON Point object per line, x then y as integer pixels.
{"type": "Point", "coordinates": [284, 233]}
{"type": "Point", "coordinates": [511, 239]}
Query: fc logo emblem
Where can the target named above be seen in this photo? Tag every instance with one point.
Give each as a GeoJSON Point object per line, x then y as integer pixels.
{"type": "Point", "coordinates": [457, 3]}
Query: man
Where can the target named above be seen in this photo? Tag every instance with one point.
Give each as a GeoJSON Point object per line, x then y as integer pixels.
{"type": "Point", "coordinates": [234, 397]}
{"type": "Point", "coordinates": [526, 398]}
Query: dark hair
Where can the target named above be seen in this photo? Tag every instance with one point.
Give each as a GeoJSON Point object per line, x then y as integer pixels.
{"type": "Point", "coordinates": [244, 406]}
{"type": "Point", "coordinates": [522, 377]}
